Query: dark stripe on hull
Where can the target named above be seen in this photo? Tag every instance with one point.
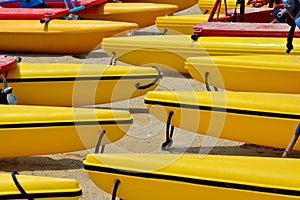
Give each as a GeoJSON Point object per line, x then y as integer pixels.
{"type": "Point", "coordinates": [43, 195]}
{"type": "Point", "coordinates": [52, 124]}
{"type": "Point", "coordinates": [59, 79]}
{"type": "Point", "coordinates": [193, 181]}
{"type": "Point", "coordinates": [227, 110]}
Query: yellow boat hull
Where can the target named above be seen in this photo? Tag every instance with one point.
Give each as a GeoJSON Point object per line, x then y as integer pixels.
{"type": "Point", "coordinates": [38, 187]}
{"type": "Point", "coordinates": [162, 176]}
{"type": "Point", "coordinates": [181, 24]}
{"type": "Point", "coordinates": [143, 14]}
{"type": "Point", "coordinates": [57, 36]}
{"type": "Point", "coordinates": [60, 84]}
{"type": "Point", "coordinates": [169, 52]}
{"type": "Point", "coordinates": [268, 119]}
{"type": "Point", "coordinates": [37, 130]}
{"type": "Point", "coordinates": [207, 5]}
{"type": "Point", "coordinates": [181, 4]}
{"type": "Point", "coordinates": [247, 73]}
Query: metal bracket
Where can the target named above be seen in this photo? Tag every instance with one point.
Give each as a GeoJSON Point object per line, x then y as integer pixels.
{"type": "Point", "coordinates": [10, 97]}
{"type": "Point", "coordinates": [292, 143]}
{"type": "Point", "coordinates": [45, 20]}
{"type": "Point", "coordinates": [113, 60]}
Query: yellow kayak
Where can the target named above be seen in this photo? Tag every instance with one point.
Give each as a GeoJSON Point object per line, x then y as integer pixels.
{"type": "Point", "coordinates": [15, 186]}
{"type": "Point", "coordinates": [57, 36]}
{"type": "Point", "coordinates": [247, 73]}
{"type": "Point", "coordinates": [180, 24]}
{"type": "Point", "coordinates": [268, 119]}
{"type": "Point", "coordinates": [60, 84]}
{"type": "Point", "coordinates": [143, 14]}
{"type": "Point", "coordinates": [38, 130]}
{"type": "Point", "coordinates": [173, 176]}
{"type": "Point", "coordinates": [181, 4]}
{"type": "Point", "coordinates": [169, 52]}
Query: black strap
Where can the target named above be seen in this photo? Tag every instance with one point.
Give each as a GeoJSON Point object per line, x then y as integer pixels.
{"type": "Point", "coordinates": [289, 44]}
{"type": "Point", "coordinates": [169, 132]}
{"type": "Point", "coordinates": [99, 143]}
{"type": "Point", "coordinates": [234, 14]}
{"type": "Point", "coordinates": [271, 3]}
{"type": "Point", "coordinates": [114, 193]}
{"type": "Point", "coordinates": [18, 185]}
{"type": "Point", "coordinates": [159, 75]}
{"type": "Point", "coordinates": [207, 84]}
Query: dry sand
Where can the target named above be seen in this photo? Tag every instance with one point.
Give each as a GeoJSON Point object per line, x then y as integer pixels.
{"type": "Point", "coordinates": [145, 136]}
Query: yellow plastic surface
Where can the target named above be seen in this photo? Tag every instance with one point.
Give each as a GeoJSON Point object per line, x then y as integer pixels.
{"type": "Point", "coordinates": [34, 185]}
{"type": "Point", "coordinates": [252, 73]}
{"type": "Point", "coordinates": [207, 5]}
{"type": "Point", "coordinates": [261, 172]}
{"type": "Point", "coordinates": [143, 14]}
{"type": "Point", "coordinates": [182, 4]}
{"type": "Point", "coordinates": [37, 130]}
{"type": "Point", "coordinates": [60, 84]}
{"type": "Point", "coordinates": [170, 51]}
{"type": "Point", "coordinates": [181, 24]}
{"type": "Point", "coordinates": [57, 36]}
{"type": "Point", "coordinates": [268, 119]}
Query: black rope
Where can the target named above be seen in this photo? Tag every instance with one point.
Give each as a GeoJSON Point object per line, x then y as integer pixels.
{"type": "Point", "coordinates": [18, 185]}
{"type": "Point", "coordinates": [114, 193]}
{"type": "Point", "coordinates": [169, 132]}
{"type": "Point", "coordinates": [159, 75]}
{"type": "Point", "coordinates": [99, 143]}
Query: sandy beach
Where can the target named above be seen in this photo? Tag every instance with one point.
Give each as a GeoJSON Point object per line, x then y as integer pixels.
{"type": "Point", "coordinates": [145, 135]}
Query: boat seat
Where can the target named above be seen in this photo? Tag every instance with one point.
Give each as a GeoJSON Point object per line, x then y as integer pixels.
{"type": "Point", "coordinates": [260, 15]}
{"type": "Point", "coordinates": [243, 29]}
{"type": "Point", "coordinates": [7, 63]}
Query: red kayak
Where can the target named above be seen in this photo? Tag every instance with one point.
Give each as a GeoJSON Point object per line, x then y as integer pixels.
{"type": "Point", "coordinates": [7, 63]}
{"type": "Point", "coordinates": [33, 13]}
{"type": "Point", "coordinates": [244, 29]}
{"type": "Point", "coordinates": [59, 3]}
{"type": "Point", "coordinates": [57, 9]}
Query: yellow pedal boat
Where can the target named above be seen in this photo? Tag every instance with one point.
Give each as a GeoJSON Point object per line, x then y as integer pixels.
{"type": "Point", "coordinates": [206, 6]}
{"type": "Point", "coordinates": [251, 73]}
{"type": "Point", "coordinates": [173, 176]}
{"type": "Point", "coordinates": [57, 36]}
{"type": "Point", "coordinates": [181, 4]}
{"type": "Point", "coordinates": [38, 130]}
{"type": "Point", "coordinates": [180, 24]}
{"type": "Point", "coordinates": [170, 51]}
{"type": "Point", "coordinates": [143, 14]}
{"type": "Point", "coordinates": [60, 84]}
{"type": "Point", "coordinates": [268, 119]}
{"type": "Point", "coordinates": [15, 186]}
